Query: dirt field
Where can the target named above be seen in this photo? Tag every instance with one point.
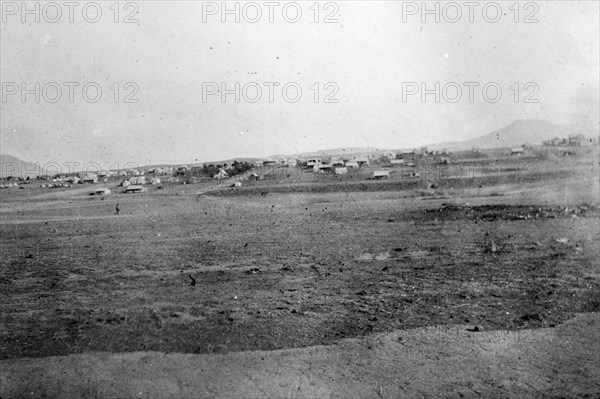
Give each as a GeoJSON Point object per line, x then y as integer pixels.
{"type": "Point", "coordinates": [414, 292]}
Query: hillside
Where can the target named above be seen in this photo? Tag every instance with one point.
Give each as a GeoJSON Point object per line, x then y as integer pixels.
{"type": "Point", "coordinates": [533, 131]}
{"type": "Point", "coordinates": [12, 166]}
{"type": "Point", "coordinates": [333, 152]}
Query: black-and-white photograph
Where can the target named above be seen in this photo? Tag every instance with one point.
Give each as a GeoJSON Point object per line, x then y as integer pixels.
{"type": "Point", "coordinates": [299, 199]}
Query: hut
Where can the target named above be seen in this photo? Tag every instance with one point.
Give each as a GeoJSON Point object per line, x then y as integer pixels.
{"type": "Point", "coordinates": [517, 151]}
{"type": "Point", "coordinates": [135, 189]}
{"type": "Point", "coordinates": [101, 191]}
{"type": "Point", "coordinates": [381, 174]}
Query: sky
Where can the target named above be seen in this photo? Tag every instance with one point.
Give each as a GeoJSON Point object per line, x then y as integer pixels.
{"type": "Point", "coordinates": [161, 67]}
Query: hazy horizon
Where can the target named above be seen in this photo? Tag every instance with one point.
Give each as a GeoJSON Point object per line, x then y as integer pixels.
{"type": "Point", "coordinates": [171, 55]}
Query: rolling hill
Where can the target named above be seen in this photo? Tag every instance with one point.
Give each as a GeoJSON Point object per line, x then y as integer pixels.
{"type": "Point", "coordinates": [12, 166]}
{"type": "Point", "coordinates": [533, 131]}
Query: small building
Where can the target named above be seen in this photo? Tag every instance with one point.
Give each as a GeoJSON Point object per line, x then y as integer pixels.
{"type": "Point", "coordinates": [132, 189]}
{"type": "Point", "coordinates": [73, 180]}
{"type": "Point", "coordinates": [517, 151]}
{"type": "Point", "coordinates": [397, 162]}
{"type": "Point", "coordinates": [254, 177]}
{"type": "Point", "coordinates": [322, 168]}
{"type": "Point", "coordinates": [389, 155]}
{"type": "Point", "coordinates": [340, 171]}
{"type": "Point", "coordinates": [312, 162]}
{"type": "Point", "coordinates": [555, 142]}
{"type": "Point", "coordinates": [361, 159]}
{"type": "Point", "coordinates": [90, 178]}
{"type": "Point", "coordinates": [381, 174]}
{"type": "Point", "coordinates": [352, 165]}
{"type": "Point", "coordinates": [101, 191]}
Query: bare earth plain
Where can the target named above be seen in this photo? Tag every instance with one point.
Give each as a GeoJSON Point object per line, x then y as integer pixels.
{"type": "Point", "coordinates": [487, 288]}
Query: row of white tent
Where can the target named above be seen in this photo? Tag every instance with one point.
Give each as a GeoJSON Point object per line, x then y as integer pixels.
{"type": "Point", "coordinates": [9, 185]}
{"type": "Point", "coordinates": [55, 185]}
{"type": "Point", "coordinates": [140, 180]}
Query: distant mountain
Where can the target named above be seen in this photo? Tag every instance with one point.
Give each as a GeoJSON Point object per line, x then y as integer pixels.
{"type": "Point", "coordinates": [333, 152]}
{"type": "Point", "coordinates": [4, 158]}
{"type": "Point", "coordinates": [533, 131]}
{"type": "Point", "coordinates": [230, 161]}
{"type": "Point", "coordinates": [12, 166]}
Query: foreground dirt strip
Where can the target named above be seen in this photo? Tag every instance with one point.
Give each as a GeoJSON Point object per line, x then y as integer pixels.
{"type": "Point", "coordinates": [424, 363]}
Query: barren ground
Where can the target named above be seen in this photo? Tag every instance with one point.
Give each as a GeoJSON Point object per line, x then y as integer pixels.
{"type": "Point", "coordinates": [365, 292]}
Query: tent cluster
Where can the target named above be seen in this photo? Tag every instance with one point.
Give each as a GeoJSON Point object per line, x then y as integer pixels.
{"type": "Point", "coordinates": [337, 165]}
{"type": "Point", "coordinates": [140, 181]}
{"type": "Point", "coordinates": [9, 185]}
{"type": "Point", "coordinates": [55, 185]}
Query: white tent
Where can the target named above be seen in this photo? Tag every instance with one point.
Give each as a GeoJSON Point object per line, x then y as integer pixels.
{"type": "Point", "coordinates": [102, 191]}
{"type": "Point", "coordinates": [221, 175]}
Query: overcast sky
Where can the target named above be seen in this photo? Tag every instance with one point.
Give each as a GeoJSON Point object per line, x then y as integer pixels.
{"type": "Point", "coordinates": [366, 56]}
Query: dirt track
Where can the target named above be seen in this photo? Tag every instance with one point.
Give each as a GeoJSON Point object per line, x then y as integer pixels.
{"type": "Point", "coordinates": [449, 362]}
